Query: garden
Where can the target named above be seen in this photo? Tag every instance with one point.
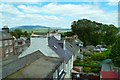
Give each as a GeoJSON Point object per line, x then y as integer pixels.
{"type": "Point", "coordinates": [92, 62]}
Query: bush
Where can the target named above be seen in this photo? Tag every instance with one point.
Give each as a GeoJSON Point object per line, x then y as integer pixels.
{"type": "Point", "coordinates": [87, 69]}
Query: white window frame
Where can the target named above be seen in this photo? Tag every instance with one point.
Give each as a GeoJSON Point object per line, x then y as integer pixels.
{"type": "Point", "coordinates": [6, 51]}
{"type": "Point", "coordinates": [11, 49]}
{"type": "Point", "coordinates": [6, 42]}
{"type": "Point", "coordinates": [10, 42]}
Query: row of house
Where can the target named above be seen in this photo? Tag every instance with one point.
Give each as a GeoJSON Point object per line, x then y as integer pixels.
{"type": "Point", "coordinates": [11, 46]}
{"type": "Point", "coordinates": [52, 46]}
{"type": "Point", "coordinates": [53, 50]}
{"type": "Point", "coordinates": [6, 44]}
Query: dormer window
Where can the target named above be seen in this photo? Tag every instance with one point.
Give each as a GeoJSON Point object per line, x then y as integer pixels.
{"type": "Point", "coordinates": [77, 44]}
{"type": "Point", "coordinates": [55, 47]}
{"type": "Point", "coordinates": [5, 42]}
{"type": "Point", "coordinates": [61, 44]}
{"type": "Point", "coordinates": [71, 46]}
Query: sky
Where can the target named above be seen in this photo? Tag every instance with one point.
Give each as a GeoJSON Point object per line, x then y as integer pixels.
{"type": "Point", "coordinates": [54, 13]}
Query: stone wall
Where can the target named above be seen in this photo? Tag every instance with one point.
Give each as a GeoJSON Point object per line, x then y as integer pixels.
{"type": "Point", "coordinates": [19, 63]}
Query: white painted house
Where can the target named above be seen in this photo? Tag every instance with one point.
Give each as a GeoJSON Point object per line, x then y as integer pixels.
{"type": "Point", "coordinates": [52, 46]}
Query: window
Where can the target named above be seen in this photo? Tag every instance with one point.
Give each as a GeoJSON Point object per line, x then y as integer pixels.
{"type": "Point", "coordinates": [6, 51]}
{"type": "Point", "coordinates": [10, 42]}
{"type": "Point", "coordinates": [11, 49]}
{"type": "Point", "coordinates": [55, 47]}
{"type": "Point", "coordinates": [6, 55]}
{"type": "Point", "coordinates": [77, 44]}
{"type": "Point", "coordinates": [5, 42]}
{"type": "Point", "coordinates": [71, 46]}
{"type": "Point", "coordinates": [55, 75]}
{"type": "Point", "coordinates": [61, 44]}
{"type": "Point", "coordinates": [61, 69]}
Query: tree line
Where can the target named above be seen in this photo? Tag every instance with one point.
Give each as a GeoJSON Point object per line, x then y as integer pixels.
{"type": "Point", "coordinates": [18, 33]}
{"type": "Point", "coordinates": [91, 32]}
{"type": "Point", "coordinates": [94, 33]}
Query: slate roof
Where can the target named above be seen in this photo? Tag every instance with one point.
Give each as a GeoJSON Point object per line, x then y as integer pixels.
{"type": "Point", "coordinates": [4, 35]}
{"type": "Point", "coordinates": [44, 67]}
{"type": "Point", "coordinates": [71, 40]}
{"type": "Point", "coordinates": [41, 44]}
{"type": "Point", "coordinates": [54, 45]}
{"type": "Point", "coordinates": [72, 47]}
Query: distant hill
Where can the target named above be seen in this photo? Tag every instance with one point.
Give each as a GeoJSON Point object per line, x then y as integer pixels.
{"type": "Point", "coordinates": [29, 27]}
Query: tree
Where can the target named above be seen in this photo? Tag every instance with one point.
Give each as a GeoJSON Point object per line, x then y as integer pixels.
{"type": "Point", "coordinates": [110, 34]}
{"type": "Point", "coordinates": [115, 53]}
{"type": "Point", "coordinates": [17, 33]}
{"type": "Point", "coordinates": [68, 34]}
{"type": "Point", "coordinates": [83, 28]}
{"type": "Point", "coordinates": [25, 34]}
{"type": "Point", "coordinates": [91, 32]}
{"type": "Point", "coordinates": [87, 69]}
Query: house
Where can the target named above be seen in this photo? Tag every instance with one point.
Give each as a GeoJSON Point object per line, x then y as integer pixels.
{"type": "Point", "coordinates": [74, 45]}
{"type": "Point", "coordinates": [60, 48]}
{"type": "Point", "coordinates": [68, 49]}
{"type": "Point", "coordinates": [42, 68]}
{"type": "Point", "coordinates": [74, 40]}
{"type": "Point", "coordinates": [51, 45]}
{"type": "Point", "coordinates": [21, 44]}
{"type": "Point", "coordinates": [108, 71]}
{"type": "Point", "coordinates": [74, 49]}
{"type": "Point", "coordinates": [6, 49]}
{"type": "Point", "coordinates": [40, 43]}
{"type": "Point", "coordinates": [6, 44]}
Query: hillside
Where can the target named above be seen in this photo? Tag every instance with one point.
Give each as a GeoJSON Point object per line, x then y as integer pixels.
{"type": "Point", "coordinates": [29, 27]}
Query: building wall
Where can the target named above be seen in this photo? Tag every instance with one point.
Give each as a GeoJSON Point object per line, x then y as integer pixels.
{"type": "Point", "coordinates": [19, 48]}
{"type": "Point", "coordinates": [41, 43]}
{"type": "Point", "coordinates": [59, 73]}
{"type": "Point", "coordinates": [1, 49]}
{"type": "Point", "coordinates": [7, 47]}
{"type": "Point", "coordinates": [68, 68]}
{"type": "Point", "coordinates": [55, 74]}
{"type": "Point", "coordinates": [1, 52]}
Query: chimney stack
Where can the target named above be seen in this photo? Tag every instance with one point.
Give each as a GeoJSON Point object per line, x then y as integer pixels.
{"type": "Point", "coordinates": [5, 28]}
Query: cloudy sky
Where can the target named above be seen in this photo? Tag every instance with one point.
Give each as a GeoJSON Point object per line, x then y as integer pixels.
{"type": "Point", "coordinates": [56, 13]}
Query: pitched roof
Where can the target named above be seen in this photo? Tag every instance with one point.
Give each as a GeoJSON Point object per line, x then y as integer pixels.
{"type": "Point", "coordinates": [5, 35]}
{"type": "Point", "coordinates": [75, 40]}
{"type": "Point", "coordinates": [41, 68]}
{"type": "Point", "coordinates": [72, 47]}
{"type": "Point", "coordinates": [54, 45]}
{"type": "Point", "coordinates": [41, 44]}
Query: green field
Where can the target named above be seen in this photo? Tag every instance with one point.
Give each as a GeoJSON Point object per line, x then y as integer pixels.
{"type": "Point", "coordinates": [42, 30]}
